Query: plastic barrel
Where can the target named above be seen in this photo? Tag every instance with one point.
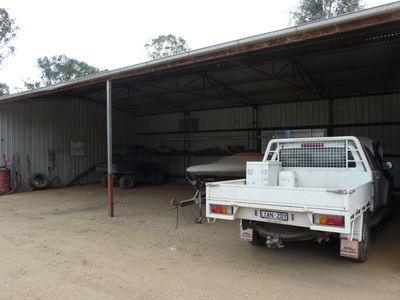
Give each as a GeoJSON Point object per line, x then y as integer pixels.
{"type": "Point", "coordinates": [5, 182]}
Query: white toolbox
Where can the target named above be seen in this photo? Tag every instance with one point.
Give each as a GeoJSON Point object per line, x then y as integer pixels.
{"type": "Point", "coordinates": [288, 179]}
{"type": "Point", "coordinates": [262, 173]}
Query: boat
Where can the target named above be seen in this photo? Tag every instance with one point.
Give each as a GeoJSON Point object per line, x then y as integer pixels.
{"type": "Point", "coordinates": [233, 166]}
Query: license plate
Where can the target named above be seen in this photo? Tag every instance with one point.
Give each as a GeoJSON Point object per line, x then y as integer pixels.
{"type": "Point", "coordinates": [274, 215]}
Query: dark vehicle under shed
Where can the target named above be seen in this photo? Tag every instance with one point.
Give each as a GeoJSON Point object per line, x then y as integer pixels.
{"type": "Point", "coordinates": [132, 165]}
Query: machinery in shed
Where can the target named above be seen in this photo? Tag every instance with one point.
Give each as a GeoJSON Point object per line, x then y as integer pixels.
{"type": "Point", "coordinates": [132, 165]}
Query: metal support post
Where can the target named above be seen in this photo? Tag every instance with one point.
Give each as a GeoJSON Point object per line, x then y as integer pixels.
{"type": "Point", "coordinates": [109, 152]}
{"type": "Point", "coordinates": [256, 142]}
{"type": "Point", "coordinates": [188, 129]}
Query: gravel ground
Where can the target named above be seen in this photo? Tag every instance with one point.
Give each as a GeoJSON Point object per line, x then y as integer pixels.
{"type": "Point", "coordinates": [60, 244]}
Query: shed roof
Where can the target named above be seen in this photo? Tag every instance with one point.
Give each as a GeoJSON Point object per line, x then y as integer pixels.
{"type": "Point", "coordinates": [350, 55]}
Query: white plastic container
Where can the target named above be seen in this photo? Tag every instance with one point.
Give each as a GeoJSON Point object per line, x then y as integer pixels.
{"type": "Point", "coordinates": [288, 179]}
{"type": "Point", "coordinates": [262, 173]}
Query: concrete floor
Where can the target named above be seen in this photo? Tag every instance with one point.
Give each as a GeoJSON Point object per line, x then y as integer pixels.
{"type": "Point", "coordinates": [60, 244]}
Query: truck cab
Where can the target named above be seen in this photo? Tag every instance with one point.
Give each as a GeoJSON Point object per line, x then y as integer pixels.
{"type": "Point", "coordinates": [383, 179]}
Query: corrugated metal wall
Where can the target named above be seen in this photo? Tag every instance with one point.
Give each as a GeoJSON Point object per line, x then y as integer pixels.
{"type": "Point", "coordinates": [41, 130]}
{"type": "Point", "coordinates": [350, 116]}
{"type": "Point", "coordinates": [156, 136]}
{"type": "Point", "coordinates": [223, 129]}
{"type": "Point", "coordinates": [354, 115]}
{"type": "Point", "coordinates": [289, 115]}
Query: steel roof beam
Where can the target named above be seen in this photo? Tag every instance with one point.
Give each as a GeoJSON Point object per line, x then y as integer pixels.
{"type": "Point", "coordinates": [215, 88]}
{"type": "Point", "coordinates": [188, 83]}
{"type": "Point", "coordinates": [242, 99]}
{"type": "Point", "coordinates": [275, 102]}
{"type": "Point", "coordinates": [163, 101]}
{"type": "Point", "coordinates": [321, 72]}
{"type": "Point", "coordinates": [312, 81]}
{"type": "Point", "coordinates": [273, 76]}
{"type": "Point", "coordinates": [179, 91]}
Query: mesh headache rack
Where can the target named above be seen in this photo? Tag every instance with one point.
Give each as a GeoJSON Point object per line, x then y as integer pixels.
{"type": "Point", "coordinates": [341, 152]}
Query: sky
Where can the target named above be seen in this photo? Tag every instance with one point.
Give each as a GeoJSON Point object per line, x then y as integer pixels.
{"type": "Point", "coordinates": [112, 34]}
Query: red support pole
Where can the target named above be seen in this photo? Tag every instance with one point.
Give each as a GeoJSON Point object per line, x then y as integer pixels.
{"type": "Point", "coordinates": [110, 196]}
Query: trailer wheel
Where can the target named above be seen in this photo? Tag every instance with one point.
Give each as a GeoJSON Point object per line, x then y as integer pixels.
{"type": "Point", "coordinates": [127, 182]}
{"type": "Point", "coordinates": [363, 246]}
{"type": "Point", "coordinates": [258, 239]}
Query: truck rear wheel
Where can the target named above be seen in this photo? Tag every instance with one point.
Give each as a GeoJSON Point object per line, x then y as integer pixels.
{"type": "Point", "coordinates": [363, 245]}
{"type": "Point", "coordinates": [258, 239]}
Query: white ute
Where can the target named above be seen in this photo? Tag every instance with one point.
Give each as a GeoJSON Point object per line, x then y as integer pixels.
{"type": "Point", "coordinates": [309, 188]}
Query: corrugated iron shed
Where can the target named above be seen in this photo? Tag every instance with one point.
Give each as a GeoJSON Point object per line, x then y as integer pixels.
{"type": "Point", "coordinates": [350, 55]}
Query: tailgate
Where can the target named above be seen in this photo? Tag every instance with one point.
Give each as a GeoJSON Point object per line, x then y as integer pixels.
{"type": "Point", "coordinates": [237, 193]}
{"type": "Point", "coordinates": [281, 205]}
{"type": "Point", "coordinates": [287, 206]}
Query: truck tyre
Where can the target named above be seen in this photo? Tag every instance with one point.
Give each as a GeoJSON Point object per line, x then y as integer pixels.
{"type": "Point", "coordinates": [127, 182]}
{"type": "Point", "coordinates": [363, 246]}
{"type": "Point", "coordinates": [39, 181]}
{"type": "Point", "coordinates": [258, 239]}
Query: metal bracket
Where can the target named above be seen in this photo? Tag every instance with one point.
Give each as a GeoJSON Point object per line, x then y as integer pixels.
{"type": "Point", "coordinates": [341, 191]}
{"type": "Point", "coordinates": [274, 242]}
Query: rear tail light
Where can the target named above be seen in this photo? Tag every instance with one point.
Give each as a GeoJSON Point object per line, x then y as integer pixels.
{"type": "Point", "coordinates": [222, 209]}
{"type": "Point", "coordinates": [337, 221]}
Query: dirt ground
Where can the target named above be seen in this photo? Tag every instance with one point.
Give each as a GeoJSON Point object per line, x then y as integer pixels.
{"type": "Point", "coordinates": [60, 244]}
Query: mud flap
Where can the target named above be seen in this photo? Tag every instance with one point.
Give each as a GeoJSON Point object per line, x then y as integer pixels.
{"type": "Point", "coordinates": [349, 248]}
{"type": "Point", "coordinates": [246, 234]}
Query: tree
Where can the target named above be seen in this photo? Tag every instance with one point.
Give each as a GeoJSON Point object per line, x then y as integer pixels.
{"type": "Point", "coordinates": [4, 89]}
{"type": "Point", "coordinates": [8, 31]}
{"type": "Point", "coordinates": [166, 45]}
{"type": "Point", "coordinates": [312, 10]}
{"type": "Point", "coordinates": [32, 86]}
{"type": "Point", "coordinates": [59, 69]}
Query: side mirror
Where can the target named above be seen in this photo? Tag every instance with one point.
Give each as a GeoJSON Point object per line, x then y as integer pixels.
{"type": "Point", "coordinates": [387, 165]}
